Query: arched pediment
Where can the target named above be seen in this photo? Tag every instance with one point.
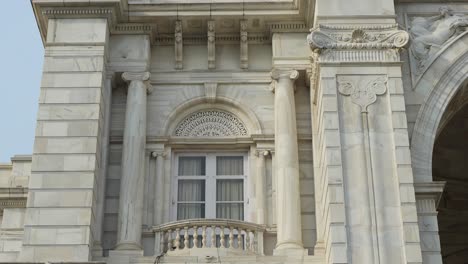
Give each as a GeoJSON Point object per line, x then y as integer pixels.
{"type": "Point", "coordinates": [211, 123]}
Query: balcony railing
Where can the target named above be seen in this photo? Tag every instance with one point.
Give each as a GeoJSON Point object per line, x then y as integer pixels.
{"type": "Point", "coordinates": [209, 237]}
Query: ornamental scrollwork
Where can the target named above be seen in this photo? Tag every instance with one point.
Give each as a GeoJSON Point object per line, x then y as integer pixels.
{"type": "Point", "coordinates": [357, 38]}
{"type": "Point", "coordinates": [363, 95]}
{"type": "Point", "coordinates": [211, 123]}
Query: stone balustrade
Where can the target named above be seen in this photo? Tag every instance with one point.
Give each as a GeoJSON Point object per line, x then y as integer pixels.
{"type": "Point", "coordinates": [209, 237]}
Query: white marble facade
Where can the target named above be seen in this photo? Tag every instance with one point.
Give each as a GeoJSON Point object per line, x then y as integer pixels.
{"type": "Point", "coordinates": [333, 108]}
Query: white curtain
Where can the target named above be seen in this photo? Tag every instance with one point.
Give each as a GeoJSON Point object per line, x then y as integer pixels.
{"type": "Point", "coordinates": [191, 199]}
{"type": "Point", "coordinates": [229, 165]}
{"type": "Point", "coordinates": [230, 199]}
{"type": "Point", "coordinates": [191, 166]}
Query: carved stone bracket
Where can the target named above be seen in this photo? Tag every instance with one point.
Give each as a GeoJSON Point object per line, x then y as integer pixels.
{"type": "Point", "coordinates": [178, 45]}
{"type": "Point", "coordinates": [210, 92]}
{"type": "Point", "coordinates": [362, 95]}
{"type": "Point", "coordinates": [211, 44]}
{"type": "Point", "coordinates": [244, 45]}
{"type": "Point", "coordinates": [357, 44]}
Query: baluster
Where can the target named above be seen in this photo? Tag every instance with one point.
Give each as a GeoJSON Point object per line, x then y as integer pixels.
{"type": "Point", "coordinates": [213, 236]}
{"type": "Point", "coordinates": [204, 237]}
{"type": "Point", "coordinates": [231, 237]}
{"type": "Point", "coordinates": [186, 238]}
{"type": "Point", "coordinates": [240, 240]}
{"type": "Point", "coordinates": [255, 241]}
{"type": "Point", "coordinates": [195, 237]}
{"type": "Point", "coordinates": [247, 240]}
{"type": "Point", "coordinates": [177, 239]}
{"type": "Point", "coordinates": [169, 240]}
{"type": "Point", "coordinates": [222, 240]}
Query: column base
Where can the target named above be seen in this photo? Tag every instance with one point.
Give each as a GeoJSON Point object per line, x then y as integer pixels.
{"type": "Point", "coordinates": [97, 250]}
{"type": "Point", "coordinates": [128, 246]}
{"type": "Point", "coordinates": [123, 256]}
{"type": "Point", "coordinates": [289, 249]}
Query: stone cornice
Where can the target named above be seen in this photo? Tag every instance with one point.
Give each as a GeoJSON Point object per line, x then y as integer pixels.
{"type": "Point", "coordinates": [45, 10]}
{"type": "Point", "coordinates": [277, 16]}
{"type": "Point", "coordinates": [13, 197]}
{"type": "Point", "coordinates": [357, 43]}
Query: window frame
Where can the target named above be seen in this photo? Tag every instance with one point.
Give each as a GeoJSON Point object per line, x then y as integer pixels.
{"type": "Point", "coordinates": [210, 179]}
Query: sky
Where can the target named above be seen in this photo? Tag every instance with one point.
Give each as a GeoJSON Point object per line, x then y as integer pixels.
{"type": "Point", "coordinates": [21, 70]}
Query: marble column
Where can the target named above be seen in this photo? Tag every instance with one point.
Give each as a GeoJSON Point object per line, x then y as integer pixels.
{"type": "Point", "coordinates": [159, 188]}
{"type": "Point", "coordinates": [133, 155]}
{"type": "Point", "coordinates": [260, 183]}
{"type": "Point", "coordinates": [289, 236]}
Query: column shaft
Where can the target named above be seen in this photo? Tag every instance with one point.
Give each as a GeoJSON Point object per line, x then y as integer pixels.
{"type": "Point", "coordinates": [260, 187]}
{"type": "Point", "coordinates": [133, 154]}
{"type": "Point", "coordinates": [287, 166]}
{"type": "Point", "coordinates": [159, 196]}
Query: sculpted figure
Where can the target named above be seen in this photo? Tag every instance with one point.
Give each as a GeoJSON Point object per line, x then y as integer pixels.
{"type": "Point", "coordinates": [431, 33]}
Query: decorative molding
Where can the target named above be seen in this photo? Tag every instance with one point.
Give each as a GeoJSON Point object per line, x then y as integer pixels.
{"type": "Point", "coordinates": [362, 95]}
{"type": "Point", "coordinates": [211, 123]}
{"type": "Point", "coordinates": [178, 45]}
{"type": "Point", "coordinates": [132, 28]}
{"type": "Point", "coordinates": [210, 91]}
{"type": "Point", "coordinates": [226, 38]}
{"type": "Point", "coordinates": [244, 45]}
{"type": "Point", "coordinates": [293, 26]}
{"type": "Point", "coordinates": [345, 43]}
{"type": "Point", "coordinates": [312, 75]}
{"type": "Point", "coordinates": [211, 44]}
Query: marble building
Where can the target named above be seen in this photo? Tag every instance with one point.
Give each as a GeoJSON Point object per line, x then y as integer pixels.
{"type": "Point", "coordinates": [245, 131]}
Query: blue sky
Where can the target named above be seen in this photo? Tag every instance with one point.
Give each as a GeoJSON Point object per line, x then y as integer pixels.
{"type": "Point", "coordinates": [20, 67]}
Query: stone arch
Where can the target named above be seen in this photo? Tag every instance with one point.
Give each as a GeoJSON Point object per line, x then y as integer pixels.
{"type": "Point", "coordinates": [231, 108]}
{"type": "Point", "coordinates": [440, 82]}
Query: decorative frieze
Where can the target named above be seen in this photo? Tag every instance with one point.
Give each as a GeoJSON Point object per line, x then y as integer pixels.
{"type": "Point", "coordinates": [211, 123]}
{"type": "Point", "coordinates": [345, 43]}
{"type": "Point", "coordinates": [362, 95]}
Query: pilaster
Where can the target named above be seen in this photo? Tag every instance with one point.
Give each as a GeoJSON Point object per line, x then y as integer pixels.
{"type": "Point", "coordinates": [366, 206]}
{"type": "Point", "coordinates": [62, 208]}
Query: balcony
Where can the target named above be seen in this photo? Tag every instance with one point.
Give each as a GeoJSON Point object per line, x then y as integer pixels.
{"type": "Point", "coordinates": [209, 237]}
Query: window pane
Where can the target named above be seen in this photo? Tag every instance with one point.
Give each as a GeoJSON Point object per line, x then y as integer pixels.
{"type": "Point", "coordinates": [189, 211]}
{"type": "Point", "coordinates": [191, 166]}
{"type": "Point", "coordinates": [229, 165]}
{"type": "Point", "coordinates": [191, 190]}
{"type": "Point", "coordinates": [230, 211]}
{"type": "Point", "coordinates": [229, 190]}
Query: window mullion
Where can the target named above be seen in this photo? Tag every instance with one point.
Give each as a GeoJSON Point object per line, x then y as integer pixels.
{"type": "Point", "coordinates": [211, 186]}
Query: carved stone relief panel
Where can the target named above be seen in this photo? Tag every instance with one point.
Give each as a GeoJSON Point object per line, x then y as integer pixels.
{"type": "Point", "coordinates": [211, 123]}
{"type": "Point", "coordinates": [363, 90]}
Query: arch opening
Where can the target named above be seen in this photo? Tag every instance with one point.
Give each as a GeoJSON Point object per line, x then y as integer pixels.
{"type": "Point", "coordinates": [450, 164]}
